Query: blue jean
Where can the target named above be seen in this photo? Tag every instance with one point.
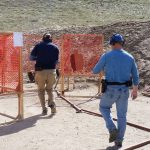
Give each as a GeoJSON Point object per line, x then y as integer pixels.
{"type": "Point", "coordinates": [118, 95]}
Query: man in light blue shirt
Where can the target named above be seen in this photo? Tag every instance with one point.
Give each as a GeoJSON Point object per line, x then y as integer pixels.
{"type": "Point", "coordinates": [119, 67]}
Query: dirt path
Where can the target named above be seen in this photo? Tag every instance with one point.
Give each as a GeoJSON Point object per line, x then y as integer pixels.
{"type": "Point", "coordinates": [67, 130]}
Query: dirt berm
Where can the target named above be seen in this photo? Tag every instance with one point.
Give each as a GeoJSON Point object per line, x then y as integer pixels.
{"type": "Point", "coordinates": [137, 35]}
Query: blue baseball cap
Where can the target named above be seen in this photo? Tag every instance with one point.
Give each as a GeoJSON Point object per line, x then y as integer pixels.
{"type": "Point", "coordinates": [117, 38]}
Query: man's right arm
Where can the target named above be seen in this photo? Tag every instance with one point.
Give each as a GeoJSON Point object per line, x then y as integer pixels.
{"type": "Point", "coordinates": [100, 65]}
{"type": "Point", "coordinates": [57, 55]}
{"type": "Point", "coordinates": [57, 63]}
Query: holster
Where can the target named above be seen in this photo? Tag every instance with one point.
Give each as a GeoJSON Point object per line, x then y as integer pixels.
{"type": "Point", "coordinates": [129, 83]}
{"type": "Point", "coordinates": [104, 86]}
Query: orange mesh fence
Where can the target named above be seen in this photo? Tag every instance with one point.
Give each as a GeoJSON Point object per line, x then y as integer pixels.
{"type": "Point", "coordinates": [30, 40]}
{"type": "Point", "coordinates": [9, 64]}
{"type": "Point", "coordinates": [80, 52]}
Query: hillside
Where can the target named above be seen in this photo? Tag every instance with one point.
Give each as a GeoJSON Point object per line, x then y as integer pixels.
{"type": "Point", "coordinates": [128, 17]}
{"type": "Point", "coordinates": [70, 129]}
{"type": "Point", "coordinates": [25, 15]}
{"type": "Point", "coordinates": [137, 36]}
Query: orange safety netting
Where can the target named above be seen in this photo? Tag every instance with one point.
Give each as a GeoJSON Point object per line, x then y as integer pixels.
{"type": "Point", "coordinates": [80, 53]}
{"type": "Point", "coordinates": [9, 64]}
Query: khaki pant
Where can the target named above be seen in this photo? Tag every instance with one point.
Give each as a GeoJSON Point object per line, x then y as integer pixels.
{"type": "Point", "coordinates": [45, 80]}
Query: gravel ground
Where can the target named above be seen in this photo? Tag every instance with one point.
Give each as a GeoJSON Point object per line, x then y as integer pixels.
{"type": "Point", "coordinates": [67, 130]}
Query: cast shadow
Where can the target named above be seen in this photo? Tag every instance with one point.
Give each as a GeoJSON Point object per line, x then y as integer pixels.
{"type": "Point", "coordinates": [112, 148]}
{"type": "Point", "coordinates": [22, 125]}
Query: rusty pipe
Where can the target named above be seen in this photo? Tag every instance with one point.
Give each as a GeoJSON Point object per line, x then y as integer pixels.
{"type": "Point", "coordinates": [99, 115]}
{"type": "Point", "coordinates": [71, 104]}
{"type": "Point", "coordinates": [128, 123]}
{"type": "Point", "coordinates": [138, 145]}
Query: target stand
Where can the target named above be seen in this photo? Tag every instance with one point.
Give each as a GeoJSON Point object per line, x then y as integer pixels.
{"type": "Point", "coordinates": [11, 73]}
{"type": "Point", "coordinates": [79, 54]}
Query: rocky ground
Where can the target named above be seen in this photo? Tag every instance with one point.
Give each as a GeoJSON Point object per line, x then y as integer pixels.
{"type": "Point", "coordinates": [68, 130]}
{"type": "Point", "coordinates": [137, 35]}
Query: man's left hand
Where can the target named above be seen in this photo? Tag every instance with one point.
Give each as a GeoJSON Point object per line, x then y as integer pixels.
{"type": "Point", "coordinates": [134, 93]}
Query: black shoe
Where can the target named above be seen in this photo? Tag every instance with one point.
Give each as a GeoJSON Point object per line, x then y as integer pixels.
{"type": "Point", "coordinates": [118, 144]}
{"type": "Point", "coordinates": [113, 135]}
{"type": "Point", "coordinates": [44, 112]}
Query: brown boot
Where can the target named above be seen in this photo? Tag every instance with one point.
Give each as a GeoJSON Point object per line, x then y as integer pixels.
{"type": "Point", "coordinates": [44, 112]}
{"type": "Point", "coordinates": [53, 108]}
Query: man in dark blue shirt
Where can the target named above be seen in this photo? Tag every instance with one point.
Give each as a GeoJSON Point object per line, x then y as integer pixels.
{"type": "Point", "coordinates": [46, 55]}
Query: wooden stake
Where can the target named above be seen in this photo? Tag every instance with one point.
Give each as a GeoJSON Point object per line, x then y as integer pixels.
{"type": "Point", "coordinates": [20, 95]}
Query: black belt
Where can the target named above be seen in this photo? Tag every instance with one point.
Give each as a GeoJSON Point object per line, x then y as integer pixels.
{"type": "Point", "coordinates": [116, 83]}
{"type": "Point", "coordinates": [105, 83]}
{"type": "Point", "coordinates": [127, 83]}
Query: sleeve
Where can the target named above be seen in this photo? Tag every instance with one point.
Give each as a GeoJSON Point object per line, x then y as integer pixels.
{"type": "Point", "coordinates": [135, 73]}
{"type": "Point", "coordinates": [57, 55]}
{"type": "Point", "coordinates": [33, 54]}
{"type": "Point", "coordinates": [100, 65]}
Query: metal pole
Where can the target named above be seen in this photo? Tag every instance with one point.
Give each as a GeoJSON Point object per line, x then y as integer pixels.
{"type": "Point", "coordinates": [128, 123]}
{"type": "Point", "coordinates": [71, 104]}
{"type": "Point", "coordinates": [99, 115]}
{"type": "Point", "coordinates": [138, 145]}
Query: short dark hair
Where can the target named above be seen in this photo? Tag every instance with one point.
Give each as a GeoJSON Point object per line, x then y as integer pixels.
{"type": "Point", "coordinates": [47, 37]}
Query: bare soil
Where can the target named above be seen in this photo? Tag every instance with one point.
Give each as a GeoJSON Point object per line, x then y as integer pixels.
{"type": "Point", "coordinates": [67, 130]}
